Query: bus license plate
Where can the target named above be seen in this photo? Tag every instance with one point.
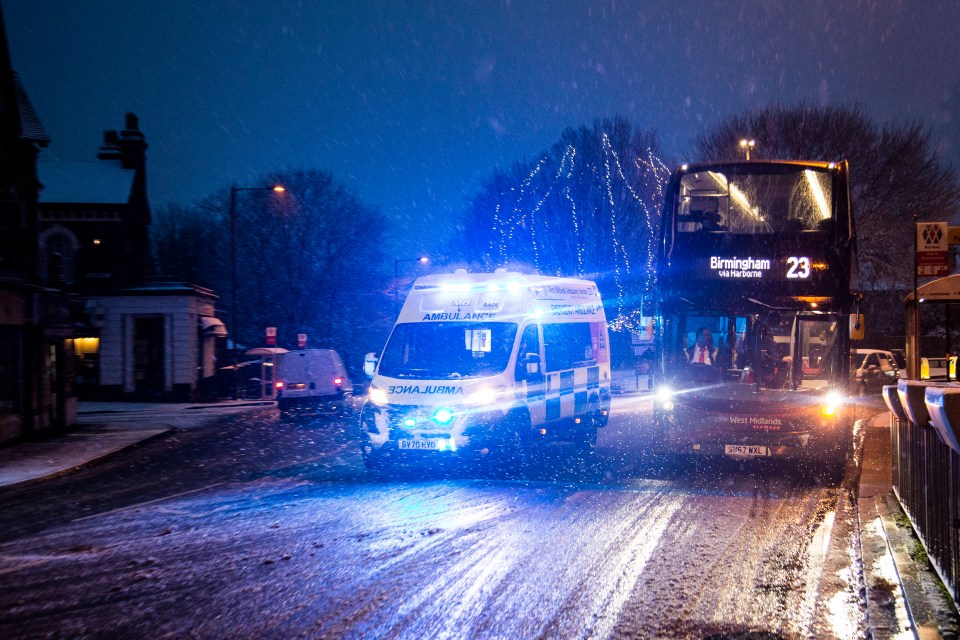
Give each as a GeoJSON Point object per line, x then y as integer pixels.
{"type": "Point", "coordinates": [745, 450]}
{"type": "Point", "coordinates": [418, 445]}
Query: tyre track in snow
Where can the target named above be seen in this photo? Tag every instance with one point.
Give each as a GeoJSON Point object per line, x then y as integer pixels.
{"type": "Point", "coordinates": [300, 544]}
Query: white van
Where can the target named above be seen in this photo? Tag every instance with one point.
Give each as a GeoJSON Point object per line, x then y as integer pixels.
{"type": "Point", "coordinates": [489, 364]}
{"type": "Point", "coordinates": [312, 381]}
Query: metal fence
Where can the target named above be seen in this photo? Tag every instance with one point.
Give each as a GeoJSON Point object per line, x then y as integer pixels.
{"type": "Point", "coordinates": [926, 479]}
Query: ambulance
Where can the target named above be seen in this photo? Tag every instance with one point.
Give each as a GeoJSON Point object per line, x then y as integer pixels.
{"type": "Point", "coordinates": [488, 366]}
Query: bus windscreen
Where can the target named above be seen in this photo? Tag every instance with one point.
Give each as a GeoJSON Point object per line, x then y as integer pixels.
{"type": "Point", "coordinates": [755, 203]}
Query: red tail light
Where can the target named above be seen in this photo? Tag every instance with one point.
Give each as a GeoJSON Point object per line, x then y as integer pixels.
{"type": "Point", "coordinates": [279, 385]}
{"type": "Point", "coordinates": [338, 381]}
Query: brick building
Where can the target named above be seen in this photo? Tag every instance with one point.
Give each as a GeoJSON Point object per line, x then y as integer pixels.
{"type": "Point", "coordinates": [36, 346]}
{"type": "Point", "coordinates": [79, 312]}
{"type": "Point", "coordinates": [139, 337]}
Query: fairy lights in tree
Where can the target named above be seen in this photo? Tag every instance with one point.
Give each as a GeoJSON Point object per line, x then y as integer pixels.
{"type": "Point", "coordinates": [655, 174]}
{"type": "Point", "coordinates": [572, 155]}
{"type": "Point", "coordinates": [659, 173]}
{"type": "Point", "coordinates": [592, 213]}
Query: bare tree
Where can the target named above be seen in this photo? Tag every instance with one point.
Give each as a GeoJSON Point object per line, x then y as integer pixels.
{"type": "Point", "coordinates": [182, 240]}
{"type": "Point", "coordinates": [308, 261]}
{"type": "Point", "coordinates": [895, 175]}
{"type": "Point", "coordinates": [589, 206]}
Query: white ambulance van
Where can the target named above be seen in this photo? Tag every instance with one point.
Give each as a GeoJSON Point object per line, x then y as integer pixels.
{"type": "Point", "coordinates": [487, 365]}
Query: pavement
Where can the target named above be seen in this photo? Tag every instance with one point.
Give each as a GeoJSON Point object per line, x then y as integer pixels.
{"type": "Point", "coordinates": [904, 596]}
{"type": "Point", "coordinates": [104, 428]}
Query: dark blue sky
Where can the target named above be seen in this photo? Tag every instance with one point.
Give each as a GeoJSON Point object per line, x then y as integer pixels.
{"type": "Point", "coordinates": [412, 104]}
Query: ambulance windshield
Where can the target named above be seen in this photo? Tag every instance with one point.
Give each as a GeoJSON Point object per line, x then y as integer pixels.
{"type": "Point", "coordinates": [448, 350]}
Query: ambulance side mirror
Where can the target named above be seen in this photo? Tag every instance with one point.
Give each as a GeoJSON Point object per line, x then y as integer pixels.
{"type": "Point", "coordinates": [370, 364]}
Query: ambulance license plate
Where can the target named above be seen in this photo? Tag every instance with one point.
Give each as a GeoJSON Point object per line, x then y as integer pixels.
{"type": "Point", "coordinates": [745, 450]}
{"type": "Point", "coordinates": [418, 445]}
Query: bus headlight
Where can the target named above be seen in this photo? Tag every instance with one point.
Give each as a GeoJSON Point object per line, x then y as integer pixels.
{"type": "Point", "coordinates": [664, 397]}
{"type": "Point", "coordinates": [831, 403]}
{"type": "Point", "coordinates": [377, 396]}
{"type": "Point", "coordinates": [482, 396]}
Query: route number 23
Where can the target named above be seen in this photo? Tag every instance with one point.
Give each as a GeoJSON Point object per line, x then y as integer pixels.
{"type": "Point", "coordinates": [798, 267]}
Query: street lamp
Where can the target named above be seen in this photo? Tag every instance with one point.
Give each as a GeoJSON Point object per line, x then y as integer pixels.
{"type": "Point", "coordinates": [747, 145]}
{"type": "Point", "coordinates": [278, 189]}
{"type": "Point", "coordinates": [396, 275]}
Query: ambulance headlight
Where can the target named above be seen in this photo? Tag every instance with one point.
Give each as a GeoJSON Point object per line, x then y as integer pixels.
{"type": "Point", "coordinates": [443, 415]}
{"type": "Point", "coordinates": [377, 396]}
{"type": "Point", "coordinates": [482, 396]}
{"type": "Point", "coordinates": [664, 397]}
{"type": "Point", "coordinates": [831, 403]}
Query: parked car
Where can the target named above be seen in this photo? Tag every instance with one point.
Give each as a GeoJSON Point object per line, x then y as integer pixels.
{"type": "Point", "coordinates": [900, 357]}
{"type": "Point", "coordinates": [872, 369]}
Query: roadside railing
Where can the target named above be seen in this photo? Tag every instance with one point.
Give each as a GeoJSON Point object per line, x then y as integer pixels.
{"type": "Point", "coordinates": [924, 423]}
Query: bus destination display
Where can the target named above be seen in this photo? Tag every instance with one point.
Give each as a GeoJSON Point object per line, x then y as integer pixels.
{"type": "Point", "coordinates": [752, 268]}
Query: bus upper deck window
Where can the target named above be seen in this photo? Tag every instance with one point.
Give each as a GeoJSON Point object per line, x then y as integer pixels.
{"type": "Point", "coordinates": [700, 217]}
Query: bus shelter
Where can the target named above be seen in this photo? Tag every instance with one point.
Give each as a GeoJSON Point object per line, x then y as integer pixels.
{"type": "Point", "coordinates": [943, 293]}
{"type": "Point", "coordinates": [269, 356]}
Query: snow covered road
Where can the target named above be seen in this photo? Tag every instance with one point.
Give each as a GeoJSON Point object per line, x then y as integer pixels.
{"type": "Point", "coordinates": [252, 528]}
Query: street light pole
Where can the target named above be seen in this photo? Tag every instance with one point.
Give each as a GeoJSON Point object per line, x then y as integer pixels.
{"type": "Point", "coordinates": [396, 276]}
{"type": "Point", "coordinates": [233, 276]}
{"type": "Point", "coordinates": [233, 291]}
{"type": "Point", "coordinates": [747, 146]}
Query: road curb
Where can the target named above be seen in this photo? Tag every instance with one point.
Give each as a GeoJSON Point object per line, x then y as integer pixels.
{"type": "Point", "coordinates": [898, 600]}
{"type": "Point", "coordinates": [899, 540]}
{"type": "Point", "coordinates": [27, 484]}
{"type": "Point", "coordinates": [894, 596]}
{"type": "Point", "coordinates": [252, 403]}
{"type": "Point", "coordinates": [198, 407]}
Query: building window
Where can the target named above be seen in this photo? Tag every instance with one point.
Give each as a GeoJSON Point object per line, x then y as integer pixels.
{"type": "Point", "coordinates": [11, 370]}
{"type": "Point", "coordinates": [58, 253]}
{"type": "Point", "coordinates": [87, 352]}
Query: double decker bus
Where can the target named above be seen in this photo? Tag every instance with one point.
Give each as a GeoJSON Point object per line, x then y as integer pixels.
{"type": "Point", "coordinates": [756, 276]}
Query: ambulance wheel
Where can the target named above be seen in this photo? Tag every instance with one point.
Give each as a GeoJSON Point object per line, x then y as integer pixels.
{"type": "Point", "coordinates": [599, 419]}
{"type": "Point", "coordinates": [511, 458]}
{"type": "Point", "coordinates": [376, 463]}
{"type": "Point", "coordinates": [586, 440]}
